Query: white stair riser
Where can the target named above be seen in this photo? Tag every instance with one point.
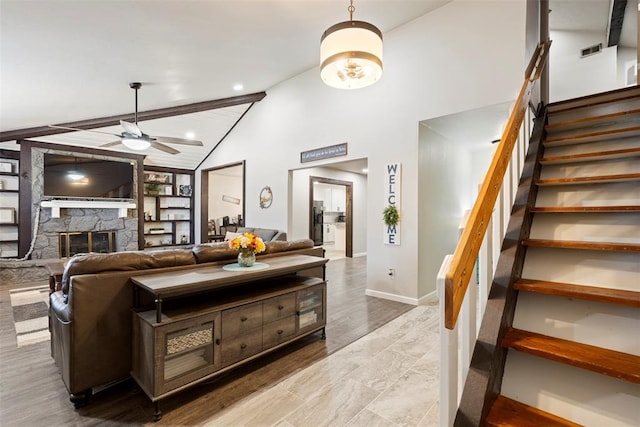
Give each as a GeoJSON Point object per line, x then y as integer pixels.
{"type": "Point", "coordinates": [592, 168]}
{"type": "Point", "coordinates": [615, 270]}
{"type": "Point", "coordinates": [592, 147]}
{"type": "Point", "coordinates": [603, 325]}
{"type": "Point", "coordinates": [622, 193]}
{"type": "Point", "coordinates": [576, 394]}
{"type": "Point", "coordinates": [587, 227]}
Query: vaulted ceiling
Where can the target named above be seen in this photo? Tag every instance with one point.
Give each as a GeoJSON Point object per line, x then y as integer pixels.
{"type": "Point", "coordinates": [70, 61]}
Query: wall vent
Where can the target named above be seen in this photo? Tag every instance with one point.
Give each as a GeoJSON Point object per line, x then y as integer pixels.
{"type": "Point", "coordinates": [591, 50]}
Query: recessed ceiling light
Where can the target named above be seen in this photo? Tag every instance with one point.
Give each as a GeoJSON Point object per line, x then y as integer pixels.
{"type": "Point", "coordinates": [238, 86]}
{"type": "Point", "coordinates": [190, 135]}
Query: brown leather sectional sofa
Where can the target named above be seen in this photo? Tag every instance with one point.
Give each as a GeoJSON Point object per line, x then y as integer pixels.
{"type": "Point", "coordinates": [91, 316]}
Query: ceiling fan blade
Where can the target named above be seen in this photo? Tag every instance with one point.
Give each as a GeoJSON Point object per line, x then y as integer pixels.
{"type": "Point", "coordinates": [131, 128]}
{"type": "Point", "coordinates": [170, 140]}
{"type": "Point", "coordinates": [164, 148]}
{"type": "Point", "coordinates": [83, 130]}
{"type": "Point", "coordinates": [111, 144]}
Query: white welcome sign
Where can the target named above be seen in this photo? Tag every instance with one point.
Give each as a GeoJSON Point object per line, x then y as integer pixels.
{"type": "Point", "coordinates": [393, 184]}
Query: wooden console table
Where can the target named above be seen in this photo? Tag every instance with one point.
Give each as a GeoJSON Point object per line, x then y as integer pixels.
{"type": "Point", "coordinates": [209, 320]}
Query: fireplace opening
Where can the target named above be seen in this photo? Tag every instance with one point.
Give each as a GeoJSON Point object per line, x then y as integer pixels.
{"type": "Point", "coordinates": [77, 242]}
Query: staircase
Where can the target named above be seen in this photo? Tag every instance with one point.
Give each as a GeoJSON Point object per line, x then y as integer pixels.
{"type": "Point", "coordinates": [573, 348]}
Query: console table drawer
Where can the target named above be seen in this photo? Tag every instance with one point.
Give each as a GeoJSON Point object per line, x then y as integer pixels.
{"type": "Point", "coordinates": [241, 347]}
{"type": "Point", "coordinates": [279, 307]}
{"type": "Point", "coordinates": [236, 321]}
{"type": "Point", "coordinates": [278, 331]}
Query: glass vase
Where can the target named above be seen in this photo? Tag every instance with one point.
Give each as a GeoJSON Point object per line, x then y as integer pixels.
{"type": "Point", "coordinates": [246, 258]}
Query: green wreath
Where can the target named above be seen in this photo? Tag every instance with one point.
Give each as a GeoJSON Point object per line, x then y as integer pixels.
{"type": "Point", "coordinates": [390, 215]}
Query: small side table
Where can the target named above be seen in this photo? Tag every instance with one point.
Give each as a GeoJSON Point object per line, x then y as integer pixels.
{"type": "Point", "coordinates": [55, 276]}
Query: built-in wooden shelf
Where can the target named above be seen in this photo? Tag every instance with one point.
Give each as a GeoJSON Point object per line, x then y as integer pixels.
{"type": "Point", "coordinates": [603, 361]}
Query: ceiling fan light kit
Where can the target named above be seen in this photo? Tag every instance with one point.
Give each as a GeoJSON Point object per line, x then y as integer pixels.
{"type": "Point", "coordinates": [351, 54]}
{"type": "Point", "coordinates": [134, 139]}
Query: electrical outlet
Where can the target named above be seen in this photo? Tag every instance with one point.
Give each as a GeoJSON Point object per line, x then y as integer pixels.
{"type": "Point", "coordinates": [392, 273]}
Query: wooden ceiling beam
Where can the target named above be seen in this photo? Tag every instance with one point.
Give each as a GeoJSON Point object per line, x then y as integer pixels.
{"type": "Point", "coordinates": [159, 113]}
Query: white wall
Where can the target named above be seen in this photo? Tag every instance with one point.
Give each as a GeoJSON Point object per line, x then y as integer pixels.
{"type": "Point", "coordinates": [465, 55]}
{"type": "Point", "coordinates": [299, 216]}
{"type": "Point", "coordinates": [571, 76]}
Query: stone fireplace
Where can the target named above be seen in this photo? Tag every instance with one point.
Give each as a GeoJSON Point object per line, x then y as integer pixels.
{"type": "Point", "coordinates": [101, 223]}
{"type": "Point", "coordinates": [71, 243]}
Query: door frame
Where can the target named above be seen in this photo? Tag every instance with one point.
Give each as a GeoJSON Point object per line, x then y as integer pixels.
{"type": "Point", "coordinates": [204, 197]}
{"type": "Point", "coordinates": [348, 212]}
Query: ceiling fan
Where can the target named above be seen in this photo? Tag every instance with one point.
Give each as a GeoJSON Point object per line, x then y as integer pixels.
{"type": "Point", "coordinates": [132, 137]}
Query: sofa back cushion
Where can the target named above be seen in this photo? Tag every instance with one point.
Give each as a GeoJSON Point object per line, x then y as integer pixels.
{"type": "Point", "coordinates": [281, 246]}
{"type": "Point", "coordinates": [211, 252]}
{"type": "Point", "coordinates": [124, 261]}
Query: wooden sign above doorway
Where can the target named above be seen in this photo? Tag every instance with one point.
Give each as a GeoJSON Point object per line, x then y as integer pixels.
{"type": "Point", "coordinates": [324, 153]}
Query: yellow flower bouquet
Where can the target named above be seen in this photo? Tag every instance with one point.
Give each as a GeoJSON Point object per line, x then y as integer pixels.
{"type": "Point", "coordinates": [247, 245]}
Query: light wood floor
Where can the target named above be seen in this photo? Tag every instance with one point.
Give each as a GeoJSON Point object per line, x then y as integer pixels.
{"type": "Point", "coordinates": [32, 392]}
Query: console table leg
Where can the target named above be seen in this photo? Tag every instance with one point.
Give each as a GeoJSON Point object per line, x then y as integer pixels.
{"type": "Point", "coordinates": [324, 334]}
{"type": "Point", "coordinates": [157, 413]}
{"type": "Point", "coordinates": [159, 310]}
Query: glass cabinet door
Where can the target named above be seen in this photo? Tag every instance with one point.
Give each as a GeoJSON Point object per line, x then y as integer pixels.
{"type": "Point", "coordinates": [311, 303]}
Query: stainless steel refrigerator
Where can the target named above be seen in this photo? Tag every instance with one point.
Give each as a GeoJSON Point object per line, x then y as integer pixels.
{"type": "Point", "coordinates": [317, 222]}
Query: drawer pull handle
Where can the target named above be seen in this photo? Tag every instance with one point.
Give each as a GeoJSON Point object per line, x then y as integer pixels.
{"type": "Point", "coordinates": [243, 319]}
{"type": "Point", "coordinates": [281, 307]}
{"type": "Point", "coordinates": [280, 331]}
{"type": "Point", "coordinates": [217, 341]}
{"type": "Point", "coordinates": [243, 346]}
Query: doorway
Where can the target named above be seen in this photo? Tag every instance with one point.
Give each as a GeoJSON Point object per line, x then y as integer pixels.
{"type": "Point", "coordinates": [223, 201]}
{"type": "Point", "coordinates": [331, 215]}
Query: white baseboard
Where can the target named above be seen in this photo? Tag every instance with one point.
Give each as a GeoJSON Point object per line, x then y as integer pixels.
{"type": "Point", "coordinates": [359, 255]}
{"type": "Point", "coordinates": [392, 297]}
{"type": "Point", "coordinates": [429, 299]}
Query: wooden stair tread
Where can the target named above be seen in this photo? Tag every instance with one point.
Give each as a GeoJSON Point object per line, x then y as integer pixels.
{"type": "Point", "coordinates": [577, 209]}
{"type": "Point", "coordinates": [588, 101]}
{"type": "Point", "coordinates": [584, 157]}
{"type": "Point", "coordinates": [590, 179]}
{"type": "Point", "coordinates": [591, 121]}
{"type": "Point", "coordinates": [630, 130]}
{"type": "Point", "coordinates": [604, 361]}
{"type": "Point", "coordinates": [506, 412]}
{"type": "Point", "coordinates": [585, 292]}
{"type": "Point", "coordinates": [576, 244]}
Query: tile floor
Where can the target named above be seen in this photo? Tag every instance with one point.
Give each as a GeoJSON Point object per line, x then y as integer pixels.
{"type": "Point", "coordinates": [386, 378]}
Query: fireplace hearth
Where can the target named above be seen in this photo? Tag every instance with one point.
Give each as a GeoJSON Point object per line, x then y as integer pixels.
{"type": "Point", "coordinates": [71, 243]}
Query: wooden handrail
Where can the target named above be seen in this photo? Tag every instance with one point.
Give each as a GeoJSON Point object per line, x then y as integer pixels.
{"type": "Point", "coordinates": [468, 248]}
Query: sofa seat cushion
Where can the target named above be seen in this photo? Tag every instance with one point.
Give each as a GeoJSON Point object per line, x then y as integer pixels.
{"type": "Point", "coordinates": [124, 261]}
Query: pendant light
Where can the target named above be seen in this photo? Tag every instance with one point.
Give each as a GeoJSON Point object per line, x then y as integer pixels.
{"type": "Point", "coordinates": [351, 54]}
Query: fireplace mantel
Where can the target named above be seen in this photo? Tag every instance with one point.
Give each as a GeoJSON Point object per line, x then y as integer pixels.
{"type": "Point", "coordinates": [56, 205]}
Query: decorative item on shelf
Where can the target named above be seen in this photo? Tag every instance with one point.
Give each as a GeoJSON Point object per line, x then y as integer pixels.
{"type": "Point", "coordinates": [351, 54]}
{"type": "Point", "coordinates": [7, 216]}
{"type": "Point", "coordinates": [156, 230]}
{"type": "Point", "coordinates": [183, 239]}
{"type": "Point", "coordinates": [185, 190]}
{"type": "Point", "coordinates": [1, 184]}
{"type": "Point", "coordinates": [247, 245]}
{"type": "Point", "coordinates": [6, 167]}
{"type": "Point", "coordinates": [266, 197]}
{"type": "Point", "coordinates": [390, 215]}
{"type": "Point", "coordinates": [152, 189]}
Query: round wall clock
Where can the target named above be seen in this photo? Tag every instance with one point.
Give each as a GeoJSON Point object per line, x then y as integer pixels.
{"type": "Point", "coordinates": [266, 197]}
